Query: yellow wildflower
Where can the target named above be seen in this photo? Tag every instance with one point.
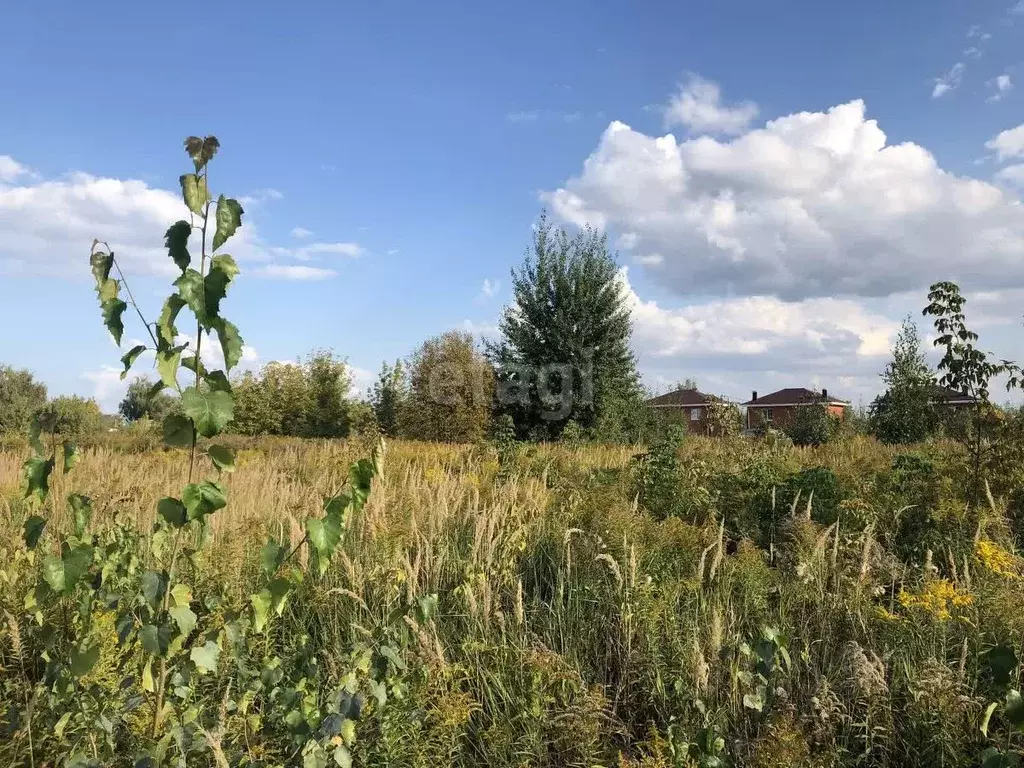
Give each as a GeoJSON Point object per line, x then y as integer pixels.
{"type": "Point", "coordinates": [997, 560]}
{"type": "Point", "coordinates": [936, 598]}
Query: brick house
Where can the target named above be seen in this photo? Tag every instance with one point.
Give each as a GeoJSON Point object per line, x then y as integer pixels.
{"type": "Point", "coordinates": [778, 408]}
{"type": "Point", "coordinates": [687, 406]}
{"type": "Point", "coordinates": [950, 398]}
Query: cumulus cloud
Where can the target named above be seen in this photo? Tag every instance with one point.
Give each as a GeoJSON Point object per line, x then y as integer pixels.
{"type": "Point", "coordinates": [301, 233]}
{"type": "Point", "coordinates": [813, 204]}
{"type": "Point", "coordinates": [47, 225]}
{"type": "Point", "coordinates": [793, 334]}
{"type": "Point", "coordinates": [698, 106]}
{"type": "Point", "coordinates": [949, 81]}
{"type": "Point", "coordinates": [10, 169]}
{"type": "Point", "coordinates": [1012, 174]}
{"type": "Point", "coordinates": [296, 272]}
{"type": "Point", "coordinates": [1000, 86]}
{"type": "Point", "coordinates": [1008, 144]}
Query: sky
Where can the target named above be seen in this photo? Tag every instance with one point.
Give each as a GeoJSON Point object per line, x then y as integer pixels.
{"type": "Point", "coordinates": [782, 182]}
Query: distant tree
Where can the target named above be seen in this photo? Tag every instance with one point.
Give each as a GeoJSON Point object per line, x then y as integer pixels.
{"type": "Point", "coordinates": [306, 399]}
{"type": "Point", "coordinates": [967, 369]}
{"type": "Point", "coordinates": [140, 401]}
{"type": "Point", "coordinates": [723, 419]}
{"type": "Point", "coordinates": [72, 416]}
{"type": "Point", "coordinates": [20, 396]}
{"type": "Point", "coordinates": [275, 401]}
{"type": "Point", "coordinates": [362, 419]}
{"type": "Point", "coordinates": [811, 425]}
{"type": "Point", "coordinates": [564, 350]}
{"type": "Point", "coordinates": [451, 391]}
{"type": "Point", "coordinates": [389, 396]}
{"type": "Point", "coordinates": [686, 383]}
{"type": "Point", "coordinates": [328, 382]}
{"type": "Point", "coordinates": [904, 413]}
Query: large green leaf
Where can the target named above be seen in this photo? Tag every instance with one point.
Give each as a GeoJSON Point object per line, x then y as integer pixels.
{"type": "Point", "coordinates": [71, 456]}
{"type": "Point", "coordinates": [177, 431]}
{"type": "Point", "coordinates": [34, 526]}
{"type": "Point", "coordinates": [154, 584]}
{"type": "Point", "coordinates": [168, 360]}
{"type": "Point", "coordinates": [193, 290]}
{"type": "Point", "coordinates": [360, 477]}
{"type": "Point", "coordinates": [84, 657]}
{"type": "Point", "coordinates": [203, 499]}
{"type": "Point", "coordinates": [223, 458]}
{"type": "Point", "coordinates": [173, 511]}
{"type": "Point", "coordinates": [1002, 663]}
{"type": "Point", "coordinates": [223, 270]}
{"type": "Point", "coordinates": [230, 341]}
{"type": "Point", "coordinates": [184, 618]}
{"type": "Point", "coordinates": [218, 382]}
{"type": "Point", "coordinates": [194, 192]}
{"type": "Point", "coordinates": [209, 411]}
{"type": "Point", "coordinates": [62, 573]}
{"type": "Point", "coordinates": [279, 591]}
{"type": "Point", "coordinates": [130, 357]}
{"type": "Point", "coordinates": [176, 240]}
{"type": "Point", "coordinates": [101, 263]}
{"type": "Point", "coordinates": [112, 310]}
{"type": "Point", "coordinates": [165, 327]}
{"type": "Point", "coordinates": [36, 472]}
{"type": "Point", "coordinates": [1014, 709]}
{"type": "Point", "coordinates": [229, 219]}
{"type": "Point", "coordinates": [155, 640]}
{"type": "Point", "coordinates": [206, 657]}
{"type": "Point", "coordinates": [81, 511]}
{"type": "Point", "coordinates": [260, 608]}
{"type": "Point", "coordinates": [271, 557]}
{"type": "Point", "coordinates": [342, 757]}
{"type": "Point", "coordinates": [201, 150]}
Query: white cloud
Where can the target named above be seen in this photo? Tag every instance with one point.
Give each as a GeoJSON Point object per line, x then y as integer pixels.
{"type": "Point", "coordinates": [47, 226]}
{"type": "Point", "coordinates": [698, 106]}
{"type": "Point", "coordinates": [392, 251]}
{"type": "Point", "coordinates": [813, 204]}
{"type": "Point", "coordinates": [1008, 144]}
{"type": "Point", "coordinates": [295, 272]}
{"type": "Point", "coordinates": [1001, 85]}
{"type": "Point", "coordinates": [1018, 9]}
{"type": "Point", "coordinates": [107, 388]}
{"type": "Point", "coordinates": [972, 53]}
{"type": "Point", "coordinates": [790, 333]}
{"type": "Point", "coordinates": [301, 233]}
{"type": "Point", "coordinates": [260, 196]}
{"type": "Point", "coordinates": [361, 379]}
{"type": "Point", "coordinates": [1012, 174]}
{"type": "Point", "coordinates": [488, 290]}
{"type": "Point", "coordinates": [949, 81]}
{"type": "Point", "coordinates": [486, 330]}
{"type": "Point", "coordinates": [10, 169]}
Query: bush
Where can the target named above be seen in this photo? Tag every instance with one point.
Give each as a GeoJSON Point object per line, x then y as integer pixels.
{"type": "Point", "coordinates": [20, 397]}
{"type": "Point", "coordinates": [71, 416]}
{"type": "Point", "coordinates": [812, 425]}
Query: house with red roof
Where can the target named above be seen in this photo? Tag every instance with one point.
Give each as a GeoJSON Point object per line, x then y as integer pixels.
{"type": "Point", "coordinates": [688, 406]}
{"type": "Point", "coordinates": [778, 409]}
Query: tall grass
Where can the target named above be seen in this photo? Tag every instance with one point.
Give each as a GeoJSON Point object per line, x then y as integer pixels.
{"type": "Point", "coordinates": [576, 629]}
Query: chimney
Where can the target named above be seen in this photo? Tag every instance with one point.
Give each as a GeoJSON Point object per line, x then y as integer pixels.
{"type": "Point", "coordinates": [754, 393]}
{"type": "Point", "coordinates": [824, 395]}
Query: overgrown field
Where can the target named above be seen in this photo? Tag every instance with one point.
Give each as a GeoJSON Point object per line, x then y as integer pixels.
{"type": "Point", "coordinates": [829, 606]}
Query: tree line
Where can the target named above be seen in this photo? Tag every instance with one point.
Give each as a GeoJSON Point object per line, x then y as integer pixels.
{"type": "Point", "coordinates": [561, 366]}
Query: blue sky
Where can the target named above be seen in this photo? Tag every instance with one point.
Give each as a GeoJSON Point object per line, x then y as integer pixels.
{"type": "Point", "coordinates": [416, 144]}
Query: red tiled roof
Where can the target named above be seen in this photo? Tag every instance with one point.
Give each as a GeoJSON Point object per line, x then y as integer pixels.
{"type": "Point", "coordinates": [794, 396]}
{"type": "Point", "coordinates": [683, 398]}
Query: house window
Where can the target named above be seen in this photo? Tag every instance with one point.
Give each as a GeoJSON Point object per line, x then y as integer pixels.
{"type": "Point", "coordinates": [695, 414]}
{"type": "Point", "coordinates": [767, 415]}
